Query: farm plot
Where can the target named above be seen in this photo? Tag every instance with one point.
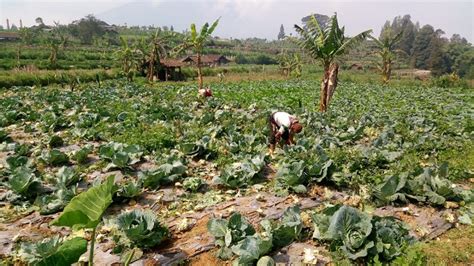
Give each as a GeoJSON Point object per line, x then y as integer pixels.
{"type": "Point", "coordinates": [192, 180]}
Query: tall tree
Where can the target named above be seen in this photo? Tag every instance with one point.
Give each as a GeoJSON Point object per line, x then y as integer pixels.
{"type": "Point", "coordinates": [326, 45]}
{"type": "Point", "coordinates": [323, 20]}
{"type": "Point", "coordinates": [196, 41]}
{"type": "Point", "coordinates": [386, 50]}
{"type": "Point", "coordinates": [409, 34]}
{"type": "Point", "coordinates": [88, 28]}
{"type": "Point", "coordinates": [460, 55]}
{"type": "Point", "coordinates": [405, 25]}
{"type": "Point", "coordinates": [281, 34]}
{"type": "Point", "coordinates": [457, 39]}
{"type": "Point", "coordinates": [438, 62]}
{"type": "Point", "coordinates": [421, 48]}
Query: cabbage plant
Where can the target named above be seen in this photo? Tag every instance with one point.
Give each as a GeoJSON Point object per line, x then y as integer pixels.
{"type": "Point", "coordinates": [141, 228]}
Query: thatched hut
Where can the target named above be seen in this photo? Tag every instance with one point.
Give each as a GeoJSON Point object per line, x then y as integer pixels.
{"type": "Point", "coordinates": [170, 70]}
{"type": "Point", "coordinates": [210, 60]}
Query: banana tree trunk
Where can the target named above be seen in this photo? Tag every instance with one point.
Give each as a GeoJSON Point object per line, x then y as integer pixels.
{"type": "Point", "coordinates": [389, 70]}
{"type": "Point", "coordinates": [53, 56]}
{"type": "Point", "coordinates": [199, 70]}
{"type": "Point", "coordinates": [151, 69]}
{"type": "Point", "coordinates": [328, 85]}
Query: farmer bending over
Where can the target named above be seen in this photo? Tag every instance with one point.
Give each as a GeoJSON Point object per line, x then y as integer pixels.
{"type": "Point", "coordinates": [205, 92]}
{"type": "Point", "coordinates": [282, 126]}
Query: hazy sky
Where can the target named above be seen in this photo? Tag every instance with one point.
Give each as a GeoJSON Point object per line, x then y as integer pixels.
{"type": "Point", "coordinates": [245, 18]}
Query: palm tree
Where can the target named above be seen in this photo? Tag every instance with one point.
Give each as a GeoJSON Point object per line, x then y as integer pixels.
{"type": "Point", "coordinates": [386, 44]}
{"type": "Point", "coordinates": [327, 44]}
{"type": "Point", "coordinates": [196, 42]}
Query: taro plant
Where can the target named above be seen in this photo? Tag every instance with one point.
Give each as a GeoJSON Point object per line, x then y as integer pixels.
{"type": "Point", "coordinates": [86, 209]}
{"type": "Point", "coordinates": [327, 44]}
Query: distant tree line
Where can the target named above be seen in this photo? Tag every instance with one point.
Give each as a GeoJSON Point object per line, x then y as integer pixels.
{"type": "Point", "coordinates": [421, 47]}
{"type": "Point", "coordinates": [425, 48]}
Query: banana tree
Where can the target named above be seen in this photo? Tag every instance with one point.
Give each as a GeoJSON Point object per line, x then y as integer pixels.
{"type": "Point", "coordinates": [327, 44]}
{"type": "Point", "coordinates": [158, 49]}
{"type": "Point", "coordinates": [129, 58]}
{"type": "Point", "coordinates": [56, 40]}
{"type": "Point", "coordinates": [196, 42]}
{"type": "Point", "coordinates": [290, 64]}
{"type": "Point", "coordinates": [26, 36]}
{"type": "Point", "coordinates": [386, 44]}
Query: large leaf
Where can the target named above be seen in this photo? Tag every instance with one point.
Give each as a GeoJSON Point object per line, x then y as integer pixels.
{"type": "Point", "coordinates": [86, 209]}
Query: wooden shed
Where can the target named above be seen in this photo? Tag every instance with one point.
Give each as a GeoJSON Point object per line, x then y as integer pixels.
{"type": "Point", "coordinates": [210, 60]}
{"type": "Point", "coordinates": [9, 36]}
{"type": "Point", "coordinates": [170, 70]}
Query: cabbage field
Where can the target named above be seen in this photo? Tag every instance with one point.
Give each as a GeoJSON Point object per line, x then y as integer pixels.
{"type": "Point", "coordinates": [146, 175]}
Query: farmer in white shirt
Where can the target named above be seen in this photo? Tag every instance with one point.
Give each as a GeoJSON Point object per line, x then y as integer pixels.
{"type": "Point", "coordinates": [282, 126]}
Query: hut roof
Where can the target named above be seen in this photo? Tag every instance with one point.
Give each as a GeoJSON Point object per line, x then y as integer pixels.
{"type": "Point", "coordinates": [209, 58]}
{"type": "Point", "coordinates": [169, 62]}
{"type": "Point", "coordinates": [11, 35]}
